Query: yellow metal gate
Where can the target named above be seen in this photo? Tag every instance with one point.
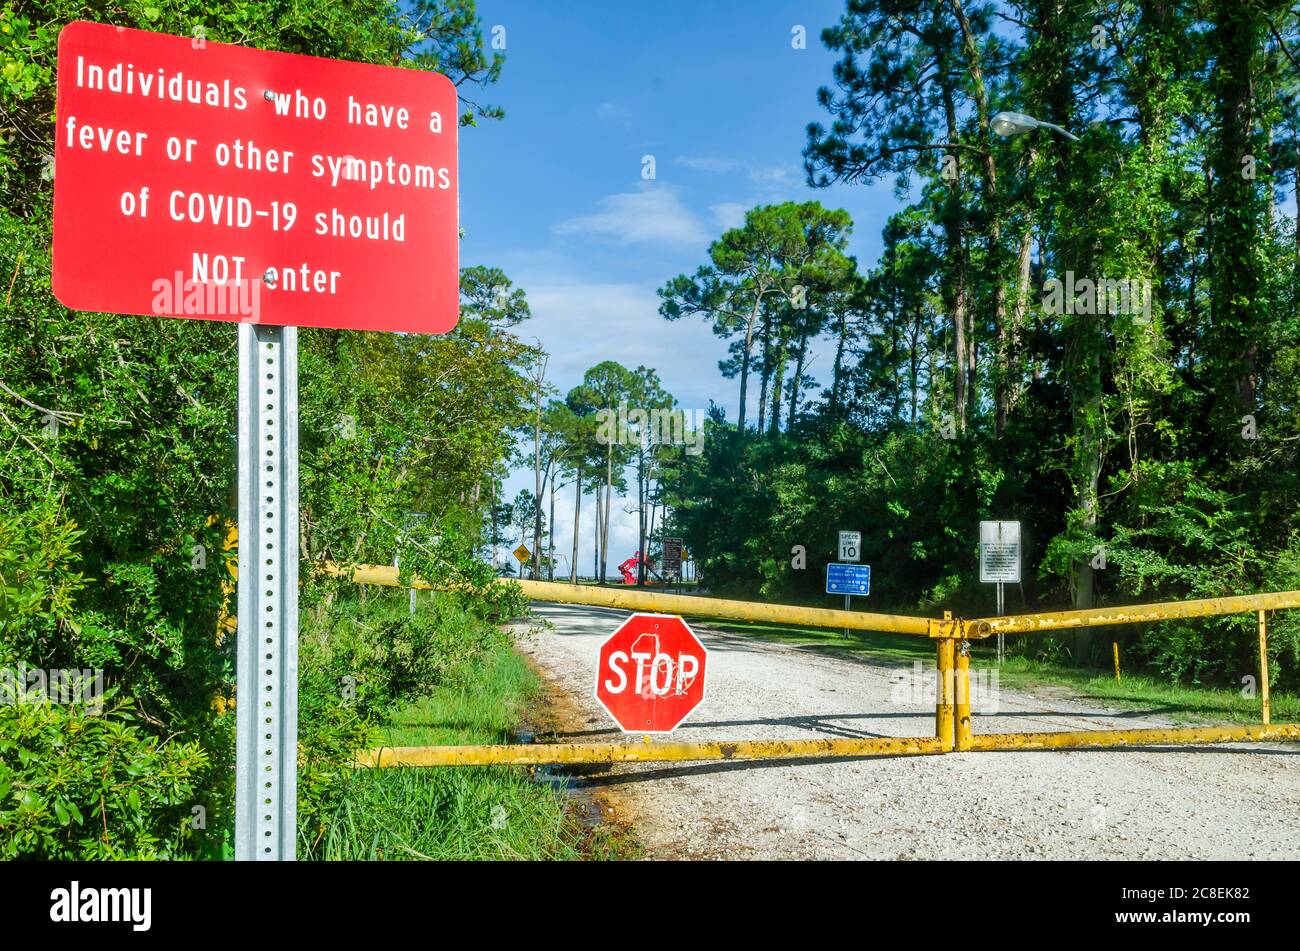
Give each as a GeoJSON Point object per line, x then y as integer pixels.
{"type": "Point", "coordinates": [953, 721]}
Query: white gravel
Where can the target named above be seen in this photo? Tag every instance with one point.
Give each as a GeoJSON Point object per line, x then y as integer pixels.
{"type": "Point", "coordinates": [1236, 801]}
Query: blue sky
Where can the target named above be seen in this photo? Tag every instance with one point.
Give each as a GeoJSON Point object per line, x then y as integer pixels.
{"type": "Point", "coordinates": [554, 195]}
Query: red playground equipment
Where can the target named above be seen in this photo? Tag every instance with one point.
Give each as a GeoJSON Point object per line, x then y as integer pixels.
{"type": "Point", "coordinates": [628, 570]}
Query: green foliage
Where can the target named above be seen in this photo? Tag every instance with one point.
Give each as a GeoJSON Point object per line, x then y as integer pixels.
{"type": "Point", "coordinates": [372, 658]}
{"type": "Point", "coordinates": [77, 784]}
{"type": "Point", "coordinates": [362, 658]}
{"type": "Point", "coordinates": [1156, 439]}
{"type": "Point", "coordinates": [471, 813]}
{"type": "Point", "coordinates": [765, 286]}
{"type": "Point", "coordinates": [117, 463]}
{"type": "Point", "coordinates": [331, 729]}
{"type": "Point", "coordinates": [38, 582]}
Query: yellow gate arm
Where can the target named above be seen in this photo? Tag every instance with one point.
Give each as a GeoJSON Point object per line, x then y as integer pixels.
{"type": "Point", "coordinates": [1130, 614]}
{"type": "Point", "coordinates": [634, 599]}
{"type": "Point", "coordinates": [683, 604]}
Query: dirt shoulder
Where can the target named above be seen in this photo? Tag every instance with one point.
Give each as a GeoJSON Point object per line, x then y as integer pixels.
{"type": "Point", "coordinates": [608, 817]}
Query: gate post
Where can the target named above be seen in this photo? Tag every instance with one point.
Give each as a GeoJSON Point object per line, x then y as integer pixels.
{"type": "Point", "coordinates": [943, 708]}
{"type": "Point", "coordinates": [963, 729]}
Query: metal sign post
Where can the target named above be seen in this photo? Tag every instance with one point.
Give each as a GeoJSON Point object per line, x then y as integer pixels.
{"type": "Point", "coordinates": [850, 551]}
{"type": "Point", "coordinates": [397, 563]}
{"type": "Point", "coordinates": [1001, 637]}
{"type": "Point", "coordinates": [212, 255]}
{"type": "Point", "coordinates": [409, 523]}
{"type": "Point", "coordinates": [266, 698]}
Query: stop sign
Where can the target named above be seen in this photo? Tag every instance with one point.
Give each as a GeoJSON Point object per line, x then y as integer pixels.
{"type": "Point", "coordinates": [650, 673]}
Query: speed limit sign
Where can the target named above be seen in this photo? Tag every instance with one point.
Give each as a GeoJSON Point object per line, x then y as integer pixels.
{"type": "Point", "coordinates": [850, 546]}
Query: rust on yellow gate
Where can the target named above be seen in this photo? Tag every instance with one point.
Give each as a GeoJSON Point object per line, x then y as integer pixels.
{"type": "Point", "coordinates": [1130, 614]}
{"type": "Point", "coordinates": [632, 599]}
{"type": "Point", "coordinates": [503, 754]}
{"type": "Point", "coordinates": [963, 725]}
{"type": "Point", "coordinates": [1160, 736]}
{"type": "Point", "coordinates": [1263, 666]}
{"type": "Point", "coordinates": [944, 705]}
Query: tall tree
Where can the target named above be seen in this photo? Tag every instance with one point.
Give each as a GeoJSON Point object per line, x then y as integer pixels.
{"type": "Point", "coordinates": [652, 412]}
{"type": "Point", "coordinates": [1241, 198]}
{"type": "Point", "coordinates": [605, 392]}
{"type": "Point", "coordinates": [581, 458]}
{"type": "Point", "coordinates": [770, 259]}
{"type": "Point", "coordinates": [900, 113]}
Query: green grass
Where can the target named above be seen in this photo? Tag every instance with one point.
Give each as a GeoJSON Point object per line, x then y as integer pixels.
{"type": "Point", "coordinates": [1179, 702]}
{"type": "Point", "coordinates": [870, 645]}
{"type": "Point", "coordinates": [464, 813]}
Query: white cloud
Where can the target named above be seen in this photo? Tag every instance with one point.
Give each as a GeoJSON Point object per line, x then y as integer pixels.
{"type": "Point", "coordinates": [582, 323]}
{"type": "Point", "coordinates": [653, 214]}
{"type": "Point", "coordinates": [729, 214]}
{"type": "Point", "coordinates": [779, 176]}
{"type": "Point", "coordinates": [783, 176]}
{"type": "Point", "coordinates": [705, 164]}
{"type": "Point", "coordinates": [611, 112]}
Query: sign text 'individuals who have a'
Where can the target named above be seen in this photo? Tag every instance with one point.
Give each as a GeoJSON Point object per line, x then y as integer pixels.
{"type": "Point", "coordinates": [228, 183]}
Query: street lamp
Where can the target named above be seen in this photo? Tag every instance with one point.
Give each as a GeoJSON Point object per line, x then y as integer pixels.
{"type": "Point", "coordinates": [1016, 123]}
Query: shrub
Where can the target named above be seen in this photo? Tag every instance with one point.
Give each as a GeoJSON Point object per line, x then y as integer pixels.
{"type": "Point", "coordinates": [79, 785]}
{"type": "Point", "coordinates": [356, 663]}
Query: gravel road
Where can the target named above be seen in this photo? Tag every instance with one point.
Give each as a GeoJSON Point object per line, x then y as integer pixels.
{"type": "Point", "coordinates": [1237, 801]}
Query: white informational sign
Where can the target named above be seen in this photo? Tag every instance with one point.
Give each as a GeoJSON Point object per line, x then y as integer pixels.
{"type": "Point", "coordinates": [850, 546]}
{"type": "Point", "coordinates": [1000, 552]}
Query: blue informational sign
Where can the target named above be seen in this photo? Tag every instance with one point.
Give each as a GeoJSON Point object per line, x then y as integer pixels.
{"type": "Point", "coordinates": [848, 579]}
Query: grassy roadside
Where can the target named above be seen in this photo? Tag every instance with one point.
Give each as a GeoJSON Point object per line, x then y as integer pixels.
{"type": "Point", "coordinates": [491, 813]}
{"type": "Point", "coordinates": [1178, 702]}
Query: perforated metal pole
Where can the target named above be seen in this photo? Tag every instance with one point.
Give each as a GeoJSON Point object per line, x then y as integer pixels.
{"type": "Point", "coordinates": [1001, 637]}
{"type": "Point", "coordinates": [266, 699]}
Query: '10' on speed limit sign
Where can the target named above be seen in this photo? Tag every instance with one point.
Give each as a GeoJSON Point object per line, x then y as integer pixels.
{"type": "Point", "coordinates": [850, 546]}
